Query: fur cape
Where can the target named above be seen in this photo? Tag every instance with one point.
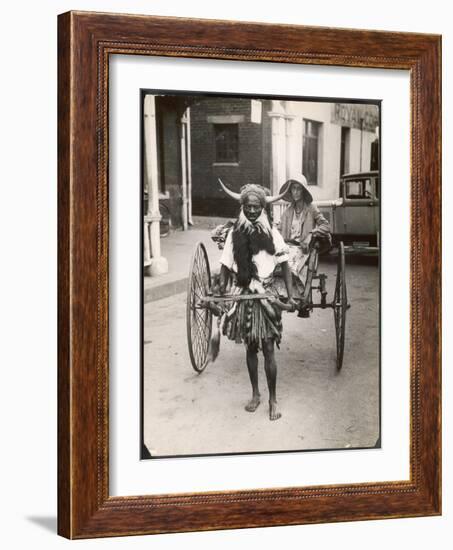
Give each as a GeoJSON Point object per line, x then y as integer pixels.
{"type": "Point", "coordinates": [249, 239]}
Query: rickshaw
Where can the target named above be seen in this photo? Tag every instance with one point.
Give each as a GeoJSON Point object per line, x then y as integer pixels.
{"type": "Point", "coordinates": [202, 302]}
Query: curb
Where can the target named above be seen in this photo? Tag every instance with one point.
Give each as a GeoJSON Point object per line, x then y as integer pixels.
{"type": "Point", "coordinates": [165, 290]}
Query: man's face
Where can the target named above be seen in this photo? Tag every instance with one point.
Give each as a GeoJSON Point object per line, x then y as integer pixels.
{"type": "Point", "coordinates": [252, 207]}
{"type": "Point", "coordinates": [296, 192]}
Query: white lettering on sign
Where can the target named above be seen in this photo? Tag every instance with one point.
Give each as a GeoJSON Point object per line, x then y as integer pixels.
{"type": "Point", "coordinates": [365, 117]}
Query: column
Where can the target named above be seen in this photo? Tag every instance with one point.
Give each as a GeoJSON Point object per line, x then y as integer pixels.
{"type": "Point", "coordinates": [279, 150]}
{"type": "Point", "coordinates": [159, 264]}
{"type": "Point", "coordinates": [184, 171]}
{"type": "Point", "coordinates": [146, 244]}
{"type": "Point", "coordinates": [189, 169]}
{"type": "Point", "coordinates": [290, 169]}
{"type": "Point", "coordinates": [278, 146]}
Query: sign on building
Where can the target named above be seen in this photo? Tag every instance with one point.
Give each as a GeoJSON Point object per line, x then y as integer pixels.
{"type": "Point", "coordinates": [361, 117]}
{"type": "Point", "coordinates": [256, 111]}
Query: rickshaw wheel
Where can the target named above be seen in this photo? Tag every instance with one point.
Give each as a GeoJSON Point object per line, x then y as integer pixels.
{"type": "Point", "coordinates": [340, 305]}
{"type": "Point", "coordinates": [198, 318]}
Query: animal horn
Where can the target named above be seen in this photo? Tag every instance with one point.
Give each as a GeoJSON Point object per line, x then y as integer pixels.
{"type": "Point", "coordinates": [275, 198]}
{"type": "Point", "coordinates": [236, 196]}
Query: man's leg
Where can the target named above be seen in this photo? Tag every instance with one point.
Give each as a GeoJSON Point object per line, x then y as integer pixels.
{"type": "Point", "coordinates": [270, 366]}
{"type": "Point", "coordinates": [252, 366]}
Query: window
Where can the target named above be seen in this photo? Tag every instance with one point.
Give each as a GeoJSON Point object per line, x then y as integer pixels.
{"type": "Point", "coordinates": [361, 189]}
{"type": "Point", "coordinates": [374, 163]}
{"type": "Point", "coordinates": [370, 190]}
{"type": "Point", "coordinates": [310, 150]}
{"type": "Point", "coordinates": [344, 152]}
{"type": "Point", "coordinates": [226, 143]}
{"type": "Point", "coordinates": [354, 189]}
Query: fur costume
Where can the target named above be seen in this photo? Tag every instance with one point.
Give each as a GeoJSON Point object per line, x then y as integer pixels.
{"type": "Point", "coordinates": [252, 321]}
{"type": "Point", "coordinates": [248, 239]}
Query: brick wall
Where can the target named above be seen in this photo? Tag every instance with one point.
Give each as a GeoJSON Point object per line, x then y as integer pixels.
{"type": "Point", "coordinates": [207, 196]}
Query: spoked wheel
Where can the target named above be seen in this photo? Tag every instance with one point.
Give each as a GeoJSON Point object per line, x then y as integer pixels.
{"type": "Point", "coordinates": [340, 305]}
{"type": "Point", "coordinates": [199, 318]}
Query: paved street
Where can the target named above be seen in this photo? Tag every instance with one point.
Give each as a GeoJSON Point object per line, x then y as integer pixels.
{"type": "Point", "coordinates": [187, 413]}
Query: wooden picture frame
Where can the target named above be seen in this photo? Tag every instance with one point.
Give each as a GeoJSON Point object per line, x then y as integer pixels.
{"type": "Point", "coordinates": [85, 41]}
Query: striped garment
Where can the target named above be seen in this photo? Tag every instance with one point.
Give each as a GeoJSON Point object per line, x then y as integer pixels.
{"type": "Point", "coordinates": [252, 321]}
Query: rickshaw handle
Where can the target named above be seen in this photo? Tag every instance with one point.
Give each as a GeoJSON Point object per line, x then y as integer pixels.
{"type": "Point", "coordinates": [240, 297]}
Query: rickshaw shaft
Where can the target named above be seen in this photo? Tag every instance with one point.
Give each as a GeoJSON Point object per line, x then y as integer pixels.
{"type": "Point", "coordinates": [236, 297]}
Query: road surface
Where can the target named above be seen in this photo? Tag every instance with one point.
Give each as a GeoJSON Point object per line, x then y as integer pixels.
{"type": "Point", "coordinates": [186, 413]}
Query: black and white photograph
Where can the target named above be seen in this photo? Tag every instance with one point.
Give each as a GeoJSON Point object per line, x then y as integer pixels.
{"type": "Point", "coordinates": [261, 274]}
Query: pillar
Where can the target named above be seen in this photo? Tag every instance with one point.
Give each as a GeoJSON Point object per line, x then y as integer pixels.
{"type": "Point", "coordinates": [159, 264]}
{"type": "Point", "coordinates": [189, 169]}
{"type": "Point", "coordinates": [277, 116]}
{"type": "Point", "coordinates": [184, 171]}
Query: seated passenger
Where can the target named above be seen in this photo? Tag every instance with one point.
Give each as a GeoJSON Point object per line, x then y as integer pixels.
{"type": "Point", "coordinates": [301, 221]}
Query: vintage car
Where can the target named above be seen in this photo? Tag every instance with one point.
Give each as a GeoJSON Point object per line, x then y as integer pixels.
{"type": "Point", "coordinates": [354, 217]}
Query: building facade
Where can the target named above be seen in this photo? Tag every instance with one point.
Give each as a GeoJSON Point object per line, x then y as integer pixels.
{"type": "Point", "coordinates": [267, 141]}
{"type": "Point", "coordinates": [189, 142]}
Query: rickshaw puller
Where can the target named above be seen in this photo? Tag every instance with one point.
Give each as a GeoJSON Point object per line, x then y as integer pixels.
{"type": "Point", "coordinates": [252, 251]}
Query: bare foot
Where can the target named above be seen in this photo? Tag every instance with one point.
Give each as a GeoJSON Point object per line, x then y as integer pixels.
{"type": "Point", "coordinates": [252, 405]}
{"type": "Point", "coordinates": [274, 414]}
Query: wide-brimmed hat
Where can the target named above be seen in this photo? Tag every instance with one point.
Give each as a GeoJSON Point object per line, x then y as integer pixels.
{"type": "Point", "coordinates": [301, 180]}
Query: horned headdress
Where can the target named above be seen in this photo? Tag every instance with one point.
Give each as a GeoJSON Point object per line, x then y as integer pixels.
{"type": "Point", "coordinates": [249, 189]}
